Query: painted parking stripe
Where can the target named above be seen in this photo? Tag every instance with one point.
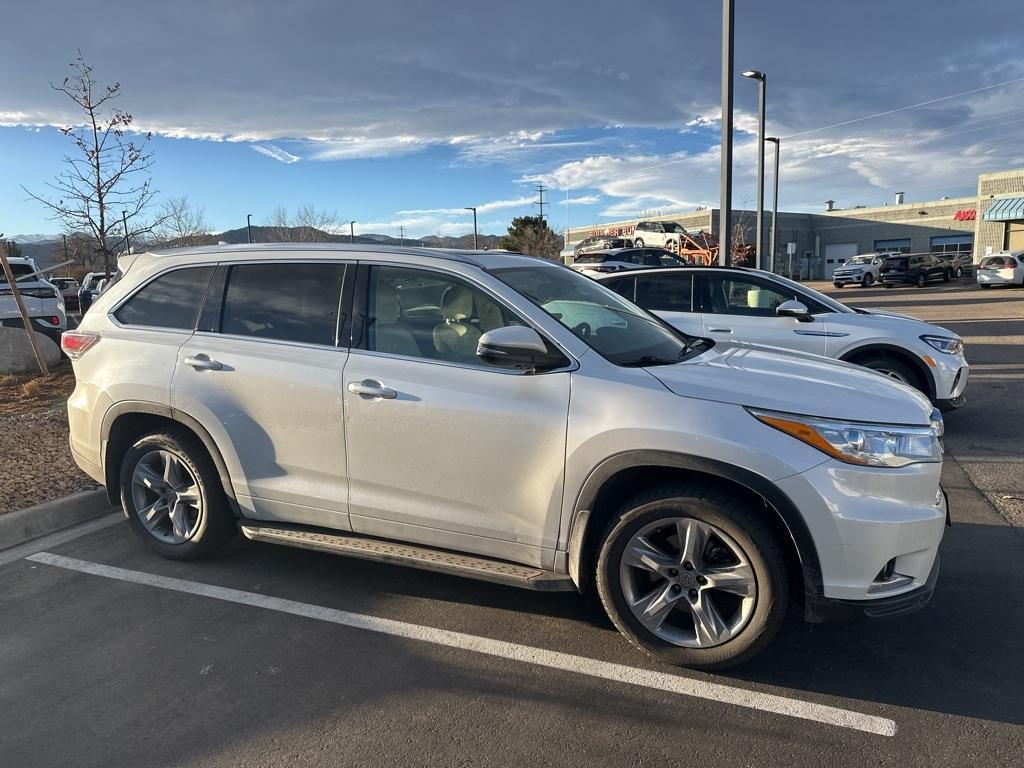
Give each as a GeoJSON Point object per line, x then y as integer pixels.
{"type": "Point", "coordinates": [661, 681]}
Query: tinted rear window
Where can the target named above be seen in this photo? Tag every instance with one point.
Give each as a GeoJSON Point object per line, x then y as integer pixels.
{"type": "Point", "coordinates": [592, 258]}
{"type": "Point", "coordinates": [171, 301]}
{"type": "Point", "coordinates": [18, 270]}
{"type": "Point", "coordinates": [896, 263]}
{"type": "Point", "coordinates": [287, 302]}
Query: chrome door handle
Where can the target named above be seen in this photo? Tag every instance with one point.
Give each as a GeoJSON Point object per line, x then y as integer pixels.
{"type": "Point", "coordinates": [370, 388]}
{"type": "Point", "coordinates": [720, 330]}
{"type": "Point", "coordinates": [203, 363]}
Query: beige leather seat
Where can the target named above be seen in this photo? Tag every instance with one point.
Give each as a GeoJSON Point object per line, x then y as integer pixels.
{"type": "Point", "coordinates": [388, 332]}
{"type": "Point", "coordinates": [455, 338]}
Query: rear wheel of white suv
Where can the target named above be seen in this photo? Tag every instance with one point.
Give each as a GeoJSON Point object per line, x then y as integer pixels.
{"type": "Point", "coordinates": [172, 495]}
{"type": "Point", "coordinates": [694, 576]}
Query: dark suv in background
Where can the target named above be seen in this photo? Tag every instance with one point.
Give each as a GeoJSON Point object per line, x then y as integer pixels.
{"type": "Point", "coordinates": [913, 269]}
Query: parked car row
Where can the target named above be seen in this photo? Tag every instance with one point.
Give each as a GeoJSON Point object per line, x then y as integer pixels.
{"type": "Point", "coordinates": [359, 400]}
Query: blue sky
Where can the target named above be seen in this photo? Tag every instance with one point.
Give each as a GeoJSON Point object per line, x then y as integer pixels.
{"type": "Point", "coordinates": [399, 115]}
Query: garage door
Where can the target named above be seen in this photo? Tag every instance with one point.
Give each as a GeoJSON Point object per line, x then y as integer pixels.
{"type": "Point", "coordinates": [836, 254]}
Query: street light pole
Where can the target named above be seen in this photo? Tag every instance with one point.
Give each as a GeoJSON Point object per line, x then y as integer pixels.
{"type": "Point", "coordinates": [248, 226]}
{"type": "Point", "coordinates": [725, 176]}
{"type": "Point", "coordinates": [775, 204]}
{"type": "Point", "coordinates": [127, 242]}
{"type": "Point", "coordinates": [476, 245]}
{"type": "Point", "coordinates": [352, 231]}
{"type": "Point", "coordinates": [762, 85]}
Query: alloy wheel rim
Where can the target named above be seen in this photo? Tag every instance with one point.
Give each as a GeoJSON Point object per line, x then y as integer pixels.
{"type": "Point", "coordinates": [688, 582]}
{"type": "Point", "coordinates": [166, 496]}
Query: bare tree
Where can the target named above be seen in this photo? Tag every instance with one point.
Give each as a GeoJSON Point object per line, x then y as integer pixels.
{"type": "Point", "coordinates": [182, 223]}
{"type": "Point", "coordinates": [308, 225]}
{"type": "Point", "coordinates": [278, 225]}
{"type": "Point", "coordinates": [106, 177]}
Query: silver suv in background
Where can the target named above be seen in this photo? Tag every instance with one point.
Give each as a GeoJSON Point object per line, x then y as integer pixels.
{"type": "Point", "coordinates": [507, 419]}
{"type": "Point", "coordinates": [862, 270]}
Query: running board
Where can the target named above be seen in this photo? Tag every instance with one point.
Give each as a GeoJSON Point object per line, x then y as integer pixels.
{"type": "Point", "coordinates": [412, 555]}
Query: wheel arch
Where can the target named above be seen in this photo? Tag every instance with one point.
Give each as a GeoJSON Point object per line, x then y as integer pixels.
{"type": "Point", "coordinates": [905, 356]}
{"type": "Point", "coordinates": [614, 480]}
{"type": "Point", "coordinates": [127, 420]}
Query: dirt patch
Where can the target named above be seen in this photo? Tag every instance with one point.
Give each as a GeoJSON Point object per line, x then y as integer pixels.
{"type": "Point", "coordinates": [36, 461]}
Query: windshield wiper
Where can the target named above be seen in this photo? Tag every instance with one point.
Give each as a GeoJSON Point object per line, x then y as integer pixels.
{"type": "Point", "coordinates": [645, 360]}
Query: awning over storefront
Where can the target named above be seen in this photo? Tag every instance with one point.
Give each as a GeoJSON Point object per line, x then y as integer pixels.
{"type": "Point", "coordinates": [1007, 209]}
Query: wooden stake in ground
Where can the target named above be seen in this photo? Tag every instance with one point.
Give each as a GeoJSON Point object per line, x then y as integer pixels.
{"type": "Point", "coordinates": [24, 313]}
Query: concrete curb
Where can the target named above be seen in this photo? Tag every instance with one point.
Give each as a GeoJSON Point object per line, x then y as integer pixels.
{"type": "Point", "coordinates": [51, 516]}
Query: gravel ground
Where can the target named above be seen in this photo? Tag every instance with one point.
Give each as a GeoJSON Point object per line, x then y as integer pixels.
{"type": "Point", "coordinates": [37, 463]}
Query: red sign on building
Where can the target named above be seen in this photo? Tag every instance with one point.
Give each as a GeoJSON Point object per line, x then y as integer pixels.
{"type": "Point", "coordinates": [966, 214]}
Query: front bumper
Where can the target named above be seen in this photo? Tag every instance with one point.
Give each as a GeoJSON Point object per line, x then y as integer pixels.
{"type": "Point", "coordinates": [847, 279]}
{"type": "Point", "coordinates": [818, 608]}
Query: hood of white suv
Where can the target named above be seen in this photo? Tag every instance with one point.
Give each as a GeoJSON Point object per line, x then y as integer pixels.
{"type": "Point", "coordinates": [890, 323]}
{"type": "Point", "coordinates": [794, 382]}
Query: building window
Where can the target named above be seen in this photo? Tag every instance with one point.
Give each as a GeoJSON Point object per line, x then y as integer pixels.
{"type": "Point", "coordinates": [961, 245]}
{"type": "Point", "coordinates": [901, 245]}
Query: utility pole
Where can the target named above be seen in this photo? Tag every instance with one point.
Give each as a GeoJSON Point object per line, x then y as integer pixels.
{"type": "Point", "coordinates": [16, 292]}
{"type": "Point", "coordinates": [127, 242]}
{"type": "Point", "coordinates": [725, 176]}
{"type": "Point", "coordinates": [401, 235]}
{"type": "Point", "coordinates": [66, 259]}
{"type": "Point", "coordinates": [476, 244]}
{"type": "Point", "coordinates": [248, 226]}
{"type": "Point", "coordinates": [775, 204]}
{"type": "Point", "coordinates": [352, 231]}
{"type": "Point", "coordinates": [540, 189]}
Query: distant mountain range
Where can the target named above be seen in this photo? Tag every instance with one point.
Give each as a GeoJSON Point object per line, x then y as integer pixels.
{"type": "Point", "coordinates": [46, 249]}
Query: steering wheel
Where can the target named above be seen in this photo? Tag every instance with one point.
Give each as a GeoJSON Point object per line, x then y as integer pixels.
{"type": "Point", "coordinates": [582, 330]}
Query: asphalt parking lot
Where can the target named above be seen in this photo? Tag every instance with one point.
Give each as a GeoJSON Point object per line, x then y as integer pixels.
{"type": "Point", "coordinates": [271, 656]}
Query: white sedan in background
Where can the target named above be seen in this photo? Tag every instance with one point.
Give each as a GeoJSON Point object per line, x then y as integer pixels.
{"type": "Point", "coordinates": [1006, 268]}
{"type": "Point", "coordinates": [748, 305]}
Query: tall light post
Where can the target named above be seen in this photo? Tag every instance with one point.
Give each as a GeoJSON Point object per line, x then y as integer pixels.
{"type": "Point", "coordinates": [127, 241]}
{"type": "Point", "coordinates": [775, 204]}
{"type": "Point", "coordinates": [352, 231]}
{"type": "Point", "coordinates": [762, 83]}
{"type": "Point", "coordinates": [725, 177]}
{"type": "Point", "coordinates": [248, 227]}
{"type": "Point", "coordinates": [476, 245]}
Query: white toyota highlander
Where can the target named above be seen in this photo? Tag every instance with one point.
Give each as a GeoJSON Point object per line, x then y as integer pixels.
{"type": "Point", "coordinates": [507, 419]}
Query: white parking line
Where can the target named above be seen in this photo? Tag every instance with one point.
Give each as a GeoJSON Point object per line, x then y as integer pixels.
{"type": "Point", "coordinates": [661, 681]}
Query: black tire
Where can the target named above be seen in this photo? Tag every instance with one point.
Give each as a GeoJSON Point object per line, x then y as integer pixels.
{"type": "Point", "coordinates": [216, 524]}
{"type": "Point", "coordinates": [638, 242]}
{"type": "Point", "coordinates": [921, 280]}
{"type": "Point", "coordinates": [867, 281]}
{"type": "Point", "coordinates": [741, 521]}
{"type": "Point", "coordinates": [959, 272]}
{"type": "Point", "coordinates": [946, 276]}
{"type": "Point", "coordinates": [837, 285]}
{"type": "Point", "coordinates": [889, 366]}
{"type": "Point", "coordinates": [984, 285]}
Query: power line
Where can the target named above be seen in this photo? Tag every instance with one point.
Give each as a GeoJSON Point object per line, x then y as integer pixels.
{"type": "Point", "coordinates": [904, 109]}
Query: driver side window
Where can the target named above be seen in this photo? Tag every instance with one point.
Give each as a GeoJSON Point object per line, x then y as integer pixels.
{"type": "Point", "coordinates": [737, 295]}
{"type": "Point", "coordinates": [432, 315]}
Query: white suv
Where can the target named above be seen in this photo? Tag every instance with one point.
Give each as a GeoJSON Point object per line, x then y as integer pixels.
{"type": "Point", "coordinates": [660, 234]}
{"type": "Point", "coordinates": [43, 300]}
{"type": "Point", "coordinates": [747, 305]}
{"type": "Point", "coordinates": [508, 419]}
{"type": "Point", "coordinates": [860, 270]}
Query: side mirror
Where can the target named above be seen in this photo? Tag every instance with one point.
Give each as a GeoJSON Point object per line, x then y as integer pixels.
{"type": "Point", "coordinates": [793, 308]}
{"type": "Point", "coordinates": [517, 346]}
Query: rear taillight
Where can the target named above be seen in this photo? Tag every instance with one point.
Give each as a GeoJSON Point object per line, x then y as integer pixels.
{"type": "Point", "coordinates": [77, 343]}
{"type": "Point", "coordinates": [52, 320]}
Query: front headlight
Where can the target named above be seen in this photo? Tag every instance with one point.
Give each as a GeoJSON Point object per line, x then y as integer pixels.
{"type": "Point", "coordinates": [852, 442]}
{"type": "Point", "coordinates": [944, 344]}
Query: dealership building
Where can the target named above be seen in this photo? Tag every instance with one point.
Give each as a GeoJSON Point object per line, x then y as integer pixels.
{"type": "Point", "coordinates": [814, 244]}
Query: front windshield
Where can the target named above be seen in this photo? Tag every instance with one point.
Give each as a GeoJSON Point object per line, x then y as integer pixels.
{"type": "Point", "coordinates": [861, 260]}
{"type": "Point", "coordinates": [615, 328]}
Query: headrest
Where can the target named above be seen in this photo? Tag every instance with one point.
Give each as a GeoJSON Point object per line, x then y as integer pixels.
{"type": "Point", "coordinates": [388, 308]}
{"type": "Point", "coordinates": [457, 304]}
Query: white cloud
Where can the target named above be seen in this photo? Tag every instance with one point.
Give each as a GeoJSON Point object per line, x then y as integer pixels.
{"type": "Point", "coordinates": [275, 153]}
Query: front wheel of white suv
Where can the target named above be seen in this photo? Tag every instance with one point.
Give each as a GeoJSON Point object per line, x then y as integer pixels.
{"type": "Point", "coordinates": [638, 243]}
{"type": "Point", "coordinates": [172, 495]}
{"type": "Point", "coordinates": [693, 575]}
